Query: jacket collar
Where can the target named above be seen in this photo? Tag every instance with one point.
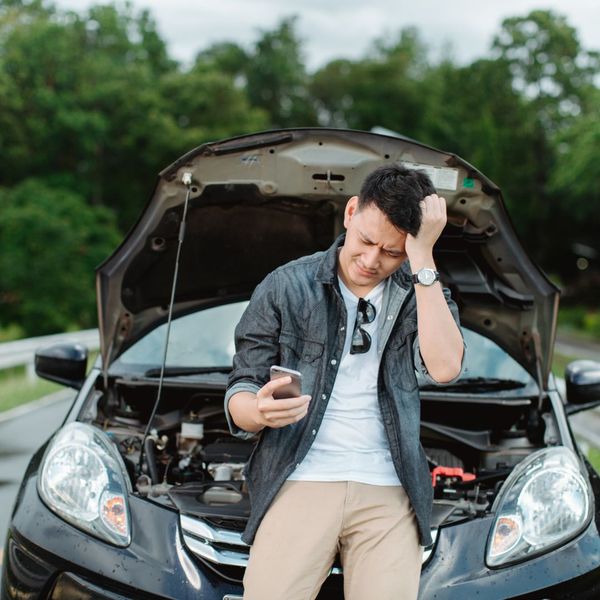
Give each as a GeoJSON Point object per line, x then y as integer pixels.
{"type": "Point", "coordinates": [328, 267]}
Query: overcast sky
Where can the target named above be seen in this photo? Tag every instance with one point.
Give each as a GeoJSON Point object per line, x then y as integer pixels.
{"type": "Point", "coordinates": [346, 28]}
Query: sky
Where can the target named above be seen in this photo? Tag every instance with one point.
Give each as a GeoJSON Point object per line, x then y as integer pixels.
{"type": "Point", "coordinates": [346, 28]}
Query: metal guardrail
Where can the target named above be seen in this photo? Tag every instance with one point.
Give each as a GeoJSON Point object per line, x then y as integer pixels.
{"type": "Point", "coordinates": [21, 352]}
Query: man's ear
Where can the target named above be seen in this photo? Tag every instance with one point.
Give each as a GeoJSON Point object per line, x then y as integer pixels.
{"type": "Point", "coordinates": [350, 210]}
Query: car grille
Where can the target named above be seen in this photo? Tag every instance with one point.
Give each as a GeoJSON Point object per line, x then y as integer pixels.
{"type": "Point", "coordinates": [225, 551]}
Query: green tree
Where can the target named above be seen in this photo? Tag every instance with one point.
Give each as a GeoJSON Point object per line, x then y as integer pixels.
{"type": "Point", "coordinates": [93, 103]}
{"type": "Point", "coordinates": [276, 78]}
{"type": "Point", "coordinates": [82, 106]}
{"type": "Point", "coordinates": [50, 243]}
{"type": "Point", "coordinates": [475, 112]}
{"type": "Point", "coordinates": [548, 64]}
{"type": "Point", "coordinates": [383, 89]}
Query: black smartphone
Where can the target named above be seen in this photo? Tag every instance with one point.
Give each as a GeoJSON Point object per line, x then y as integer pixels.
{"type": "Point", "coordinates": [292, 389]}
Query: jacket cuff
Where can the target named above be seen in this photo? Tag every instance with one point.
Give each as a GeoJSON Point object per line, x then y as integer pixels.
{"type": "Point", "coordinates": [243, 386]}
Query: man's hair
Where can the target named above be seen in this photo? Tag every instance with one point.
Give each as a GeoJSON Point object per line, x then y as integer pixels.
{"type": "Point", "coordinates": [396, 191]}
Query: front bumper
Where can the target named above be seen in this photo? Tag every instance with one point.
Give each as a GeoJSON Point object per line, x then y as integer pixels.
{"type": "Point", "coordinates": [46, 558]}
{"type": "Point", "coordinates": [457, 569]}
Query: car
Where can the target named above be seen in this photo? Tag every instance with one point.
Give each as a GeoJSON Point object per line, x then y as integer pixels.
{"type": "Point", "coordinates": [141, 492]}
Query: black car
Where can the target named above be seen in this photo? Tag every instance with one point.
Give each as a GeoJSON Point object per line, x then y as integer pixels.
{"type": "Point", "coordinates": [141, 493]}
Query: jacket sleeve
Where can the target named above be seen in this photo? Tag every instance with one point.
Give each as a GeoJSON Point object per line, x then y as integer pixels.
{"type": "Point", "coordinates": [256, 344]}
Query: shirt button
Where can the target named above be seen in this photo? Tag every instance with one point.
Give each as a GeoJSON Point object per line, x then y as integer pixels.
{"type": "Point", "coordinates": [342, 328]}
{"type": "Point", "coordinates": [323, 396]}
{"type": "Point", "coordinates": [333, 361]}
{"type": "Point", "coordinates": [314, 432]}
{"type": "Point", "coordinates": [390, 317]}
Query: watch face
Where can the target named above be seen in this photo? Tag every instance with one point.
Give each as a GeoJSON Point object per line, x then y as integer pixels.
{"type": "Point", "coordinates": [426, 276]}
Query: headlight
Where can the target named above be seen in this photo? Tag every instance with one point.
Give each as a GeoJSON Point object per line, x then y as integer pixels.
{"type": "Point", "coordinates": [83, 480]}
{"type": "Point", "coordinates": [544, 502]}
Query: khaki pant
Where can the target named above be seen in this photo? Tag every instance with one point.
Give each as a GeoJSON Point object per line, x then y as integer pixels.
{"type": "Point", "coordinates": [372, 527]}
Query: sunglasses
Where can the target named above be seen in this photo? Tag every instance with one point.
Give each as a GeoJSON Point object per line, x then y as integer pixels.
{"type": "Point", "coordinates": [361, 340]}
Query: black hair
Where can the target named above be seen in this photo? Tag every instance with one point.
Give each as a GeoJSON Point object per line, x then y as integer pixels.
{"type": "Point", "coordinates": [396, 191]}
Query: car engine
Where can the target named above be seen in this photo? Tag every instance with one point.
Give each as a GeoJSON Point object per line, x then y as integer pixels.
{"type": "Point", "coordinates": [190, 460]}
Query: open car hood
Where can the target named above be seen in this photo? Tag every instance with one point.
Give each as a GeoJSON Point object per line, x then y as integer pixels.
{"type": "Point", "coordinates": [260, 200]}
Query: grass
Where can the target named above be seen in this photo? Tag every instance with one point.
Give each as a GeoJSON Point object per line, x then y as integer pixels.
{"type": "Point", "coordinates": [560, 362]}
{"type": "Point", "coordinates": [594, 458]}
{"type": "Point", "coordinates": [16, 389]}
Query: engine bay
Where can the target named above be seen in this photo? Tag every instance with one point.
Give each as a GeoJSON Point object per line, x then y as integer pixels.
{"type": "Point", "coordinates": [190, 460]}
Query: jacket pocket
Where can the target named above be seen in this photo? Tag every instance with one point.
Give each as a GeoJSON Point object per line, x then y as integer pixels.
{"type": "Point", "coordinates": [295, 351]}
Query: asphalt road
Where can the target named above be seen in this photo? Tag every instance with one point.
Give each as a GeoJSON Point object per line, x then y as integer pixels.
{"type": "Point", "coordinates": [20, 437]}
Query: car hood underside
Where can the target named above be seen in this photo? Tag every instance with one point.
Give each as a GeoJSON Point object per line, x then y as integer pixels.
{"type": "Point", "coordinates": [258, 201]}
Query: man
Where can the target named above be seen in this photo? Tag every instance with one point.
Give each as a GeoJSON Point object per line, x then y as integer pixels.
{"type": "Point", "coordinates": [342, 469]}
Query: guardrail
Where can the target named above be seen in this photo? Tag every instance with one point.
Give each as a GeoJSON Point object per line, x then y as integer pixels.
{"type": "Point", "coordinates": [21, 352]}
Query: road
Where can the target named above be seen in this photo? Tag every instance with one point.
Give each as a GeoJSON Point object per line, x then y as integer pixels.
{"type": "Point", "coordinates": [20, 437]}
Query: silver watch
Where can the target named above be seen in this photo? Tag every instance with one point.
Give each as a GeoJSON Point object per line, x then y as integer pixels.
{"type": "Point", "coordinates": [426, 277]}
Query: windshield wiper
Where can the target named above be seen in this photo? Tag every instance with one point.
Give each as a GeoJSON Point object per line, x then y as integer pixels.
{"type": "Point", "coordinates": [179, 371]}
{"type": "Point", "coordinates": [473, 384]}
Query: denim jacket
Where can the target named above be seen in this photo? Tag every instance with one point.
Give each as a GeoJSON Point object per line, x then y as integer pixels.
{"type": "Point", "coordinates": [296, 318]}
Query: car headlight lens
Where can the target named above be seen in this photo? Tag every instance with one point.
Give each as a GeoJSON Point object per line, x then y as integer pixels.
{"type": "Point", "coordinates": [83, 480]}
{"type": "Point", "coordinates": [544, 502]}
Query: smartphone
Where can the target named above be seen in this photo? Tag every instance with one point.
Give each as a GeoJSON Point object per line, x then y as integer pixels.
{"type": "Point", "coordinates": [292, 389]}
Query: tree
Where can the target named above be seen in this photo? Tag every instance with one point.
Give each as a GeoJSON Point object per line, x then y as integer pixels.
{"type": "Point", "coordinates": [276, 79]}
{"type": "Point", "coordinates": [548, 64]}
{"type": "Point", "coordinates": [50, 243]}
{"type": "Point", "coordinates": [475, 112]}
{"type": "Point", "coordinates": [93, 103]}
{"type": "Point", "coordinates": [382, 89]}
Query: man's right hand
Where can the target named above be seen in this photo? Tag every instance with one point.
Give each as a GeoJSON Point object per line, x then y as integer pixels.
{"type": "Point", "coordinates": [255, 412]}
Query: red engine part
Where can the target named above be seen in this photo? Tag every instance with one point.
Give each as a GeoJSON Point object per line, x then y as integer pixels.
{"type": "Point", "coordinates": [450, 472]}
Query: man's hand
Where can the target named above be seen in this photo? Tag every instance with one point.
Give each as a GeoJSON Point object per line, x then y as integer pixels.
{"type": "Point", "coordinates": [419, 248]}
{"type": "Point", "coordinates": [255, 412]}
{"type": "Point", "coordinates": [280, 412]}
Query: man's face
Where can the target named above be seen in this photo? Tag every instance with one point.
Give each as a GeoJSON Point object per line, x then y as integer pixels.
{"type": "Point", "coordinates": [373, 249]}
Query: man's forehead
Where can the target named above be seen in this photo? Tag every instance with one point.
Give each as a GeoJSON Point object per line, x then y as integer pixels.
{"type": "Point", "coordinates": [390, 238]}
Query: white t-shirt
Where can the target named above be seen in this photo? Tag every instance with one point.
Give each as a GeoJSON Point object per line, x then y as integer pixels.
{"type": "Point", "coordinates": [351, 444]}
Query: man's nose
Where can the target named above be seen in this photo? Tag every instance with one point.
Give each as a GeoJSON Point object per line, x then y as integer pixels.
{"type": "Point", "coordinates": [371, 258]}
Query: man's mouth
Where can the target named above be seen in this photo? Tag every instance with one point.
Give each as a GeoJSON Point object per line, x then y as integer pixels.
{"type": "Point", "coordinates": [365, 272]}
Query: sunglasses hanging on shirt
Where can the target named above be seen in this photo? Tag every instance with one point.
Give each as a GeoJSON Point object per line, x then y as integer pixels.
{"type": "Point", "coordinates": [361, 340]}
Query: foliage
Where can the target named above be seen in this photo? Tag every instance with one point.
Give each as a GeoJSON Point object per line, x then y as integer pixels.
{"type": "Point", "coordinates": [383, 89]}
{"type": "Point", "coordinates": [92, 107]}
{"type": "Point", "coordinates": [548, 64]}
{"type": "Point", "coordinates": [50, 243]}
{"type": "Point", "coordinates": [580, 318]}
{"type": "Point", "coordinates": [594, 458]}
{"type": "Point", "coordinates": [16, 389]}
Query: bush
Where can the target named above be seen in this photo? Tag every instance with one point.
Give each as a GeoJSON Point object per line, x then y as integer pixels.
{"type": "Point", "coordinates": [50, 243]}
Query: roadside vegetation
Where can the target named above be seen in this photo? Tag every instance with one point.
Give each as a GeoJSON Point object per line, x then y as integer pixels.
{"type": "Point", "coordinates": [594, 457]}
{"type": "Point", "coordinates": [16, 389]}
{"type": "Point", "coordinates": [93, 107]}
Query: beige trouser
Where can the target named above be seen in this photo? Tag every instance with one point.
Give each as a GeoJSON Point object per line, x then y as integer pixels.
{"type": "Point", "coordinates": [372, 527]}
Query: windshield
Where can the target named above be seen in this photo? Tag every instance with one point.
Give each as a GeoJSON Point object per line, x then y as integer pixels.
{"type": "Point", "coordinates": [485, 360]}
{"type": "Point", "coordinates": [205, 339]}
{"type": "Point", "coordinates": [199, 339]}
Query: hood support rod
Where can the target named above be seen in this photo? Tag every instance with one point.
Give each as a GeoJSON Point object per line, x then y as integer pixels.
{"type": "Point", "coordinates": [186, 179]}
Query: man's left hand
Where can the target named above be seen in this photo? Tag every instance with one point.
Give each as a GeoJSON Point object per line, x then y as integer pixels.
{"type": "Point", "coordinates": [433, 221]}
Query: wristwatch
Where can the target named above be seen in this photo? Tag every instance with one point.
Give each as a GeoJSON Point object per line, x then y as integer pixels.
{"type": "Point", "coordinates": [426, 277]}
